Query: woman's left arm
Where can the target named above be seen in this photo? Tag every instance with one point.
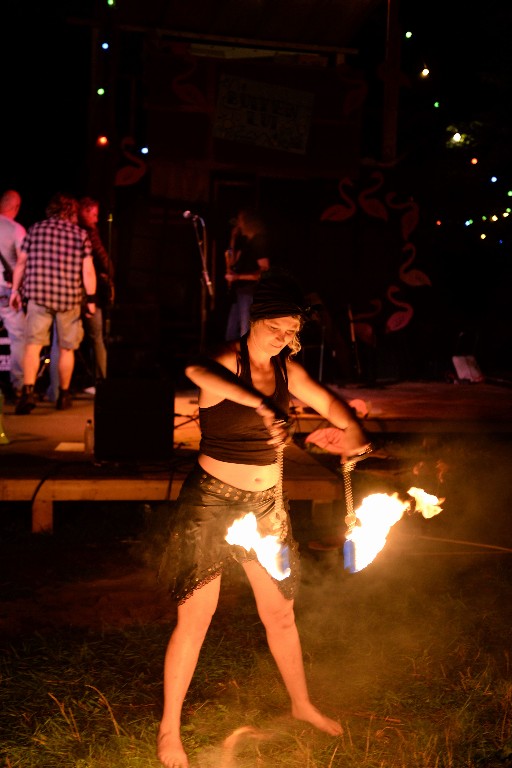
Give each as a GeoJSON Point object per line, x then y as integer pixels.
{"type": "Point", "coordinates": [333, 408]}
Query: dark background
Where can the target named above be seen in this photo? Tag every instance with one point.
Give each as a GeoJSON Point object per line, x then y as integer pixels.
{"type": "Point", "coordinates": [52, 115]}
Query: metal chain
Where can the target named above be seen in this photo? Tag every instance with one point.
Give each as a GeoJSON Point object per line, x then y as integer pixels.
{"type": "Point", "coordinates": [346, 468]}
{"type": "Point", "coordinates": [280, 470]}
{"type": "Point", "coordinates": [279, 506]}
{"type": "Point", "coordinates": [350, 519]}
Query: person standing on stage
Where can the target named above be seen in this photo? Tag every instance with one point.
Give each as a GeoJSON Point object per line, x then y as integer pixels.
{"type": "Point", "coordinates": [54, 268]}
{"type": "Point", "coordinates": [11, 237]}
{"type": "Point", "coordinates": [244, 393]}
{"type": "Point", "coordinates": [246, 259]}
{"type": "Point", "coordinates": [94, 325]}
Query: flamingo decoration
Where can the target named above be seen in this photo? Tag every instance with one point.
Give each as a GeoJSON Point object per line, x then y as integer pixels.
{"type": "Point", "coordinates": [135, 170]}
{"type": "Point", "coordinates": [188, 93]}
{"type": "Point", "coordinates": [410, 217]}
{"type": "Point", "coordinates": [339, 212]}
{"type": "Point", "coordinates": [400, 319]}
{"type": "Point", "coordinates": [365, 332]}
{"type": "Point", "coordinates": [412, 276]}
{"type": "Point", "coordinates": [370, 204]}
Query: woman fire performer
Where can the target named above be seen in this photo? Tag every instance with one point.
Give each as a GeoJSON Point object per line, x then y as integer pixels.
{"type": "Point", "coordinates": [244, 393]}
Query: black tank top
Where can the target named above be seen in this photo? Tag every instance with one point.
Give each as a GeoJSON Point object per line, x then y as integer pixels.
{"type": "Point", "coordinates": [235, 433]}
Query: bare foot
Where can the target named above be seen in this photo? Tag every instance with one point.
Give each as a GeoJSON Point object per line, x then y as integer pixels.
{"type": "Point", "coordinates": [170, 751]}
{"type": "Point", "coordinates": [310, 714]}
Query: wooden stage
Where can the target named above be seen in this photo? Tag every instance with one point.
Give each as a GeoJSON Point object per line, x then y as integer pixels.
{"type": "Point", "coordinates": [44, 461]}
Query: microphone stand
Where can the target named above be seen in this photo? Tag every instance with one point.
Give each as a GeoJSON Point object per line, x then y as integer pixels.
{"type": "Point", "coordinates": [110, 219]}
{"type": "Point", "coordinates": [206, 283]}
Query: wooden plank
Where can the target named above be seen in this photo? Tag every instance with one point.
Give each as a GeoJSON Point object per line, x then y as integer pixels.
{"type": "Point", "coordinates": [305, 478]}
{"type": "Point", "coordinates": [94, 490]}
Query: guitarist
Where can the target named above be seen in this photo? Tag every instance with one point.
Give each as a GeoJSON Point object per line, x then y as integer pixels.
{"type": "Point", "coordinates": [246, 259]}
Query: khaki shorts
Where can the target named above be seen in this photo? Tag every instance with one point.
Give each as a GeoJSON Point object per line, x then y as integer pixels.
{"type": "Point", "coordinates": [68, 325]}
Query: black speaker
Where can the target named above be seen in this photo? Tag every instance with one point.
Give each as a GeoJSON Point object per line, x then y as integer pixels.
{"type": "Point", "coordinates": [133, 340]}
{"type": "Point", "coordinates": [133, 419]}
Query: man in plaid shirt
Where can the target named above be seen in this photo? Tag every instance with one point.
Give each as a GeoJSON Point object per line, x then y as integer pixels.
{"type": "Point", "coordinates": [54, 269]}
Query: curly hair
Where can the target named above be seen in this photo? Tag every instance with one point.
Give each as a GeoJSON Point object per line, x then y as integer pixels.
{"type": "Point", "coordinates": [295, 345]}
{"type": "Point", "coordinates": [87, 202]}
{"type": "Point", "coordinates": [63, 207]}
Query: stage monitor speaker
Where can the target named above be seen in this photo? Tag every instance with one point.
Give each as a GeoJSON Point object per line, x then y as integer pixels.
{"type": "Point", "coordinates": [133, 340]}
{"type": "Point", "coordinates": [133, 419]}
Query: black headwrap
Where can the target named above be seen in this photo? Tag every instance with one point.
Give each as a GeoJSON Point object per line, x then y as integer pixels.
{"type": "Point", "coordinates": [278, 295]}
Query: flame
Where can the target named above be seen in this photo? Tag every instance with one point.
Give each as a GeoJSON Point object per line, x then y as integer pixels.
{"type": "Point", "coordinates": [375, 518]}
{"type": "Point", "coordinates": [269, 550]}
{"type": "Point", "coordinates": [426, 503]}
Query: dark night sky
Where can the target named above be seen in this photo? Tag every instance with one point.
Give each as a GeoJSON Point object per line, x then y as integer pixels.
{"type": "Point", "coordinates": [45, 94]}
{"type": "Point", "coordinates": [44, 97]}
{"type": "Point", "coordinates": [46, 89]}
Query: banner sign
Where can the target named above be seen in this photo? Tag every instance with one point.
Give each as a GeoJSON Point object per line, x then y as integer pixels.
{"type": "Point", "coordinates": [263, 114]}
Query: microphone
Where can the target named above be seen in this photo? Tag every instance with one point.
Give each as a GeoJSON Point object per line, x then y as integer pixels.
{"type": "Point", "coordinates": [190, 215]}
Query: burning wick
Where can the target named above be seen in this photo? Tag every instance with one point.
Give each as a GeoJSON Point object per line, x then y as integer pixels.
{"type": "Point", "coordinates": [426, 503]}
{"type": "Point", "coordinates": [271, 553]}
{"type": "Point", "coordinates": [376, 516]}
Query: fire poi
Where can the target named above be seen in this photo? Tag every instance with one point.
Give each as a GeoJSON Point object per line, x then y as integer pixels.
{"type": "Point", "coordinates": [370, 524]}
{"type": "Point", "coordinates": [367, 527]}
{"type": "Point", "coordinates": [270, 551]}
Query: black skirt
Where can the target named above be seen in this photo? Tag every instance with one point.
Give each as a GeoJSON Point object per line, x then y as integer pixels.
{"type": "Point", "coordinates": [197, 549]}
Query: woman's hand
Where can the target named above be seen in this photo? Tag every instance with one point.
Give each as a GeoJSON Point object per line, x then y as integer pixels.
{"type": "Point", "coordinates": [354, 444]}
{"type": "Point", "coordinates": [350, 443]}
{"type": "Point", "coordinates": [277, 426]}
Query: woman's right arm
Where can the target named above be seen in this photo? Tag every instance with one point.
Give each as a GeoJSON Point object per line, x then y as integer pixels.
{"type": "Point", "coordinates": [216, 377]}
{"type": "Point", "coordinates": [218, 382]}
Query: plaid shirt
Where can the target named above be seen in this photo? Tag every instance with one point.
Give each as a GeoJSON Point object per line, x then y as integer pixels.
{"type": "Point", "coordinates": [55, 251]}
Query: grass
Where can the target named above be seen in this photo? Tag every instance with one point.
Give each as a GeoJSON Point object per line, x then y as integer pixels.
{"type": "Point", "coordinates": [412, 654]}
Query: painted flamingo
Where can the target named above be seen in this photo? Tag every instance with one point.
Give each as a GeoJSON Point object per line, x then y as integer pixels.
{"type": "Point", "coordinates": [409, 219]}
{"type": "Point", "coordinates": [188, 93]}
{"type": "Point", "coordinates": [135, 170]}
{"type": "Point", "coordinates": [339, 212]}
{"type": "Point", "coordinates": [356, 91]}
{"type": "Point", "coordinates": [412, 276]}
{"type": "Point", "coordinates": [369, 203]}
{"type": "Point", "coordinates": [365, 332]}
{"type": "Point", "coordinates": [400, 319]}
